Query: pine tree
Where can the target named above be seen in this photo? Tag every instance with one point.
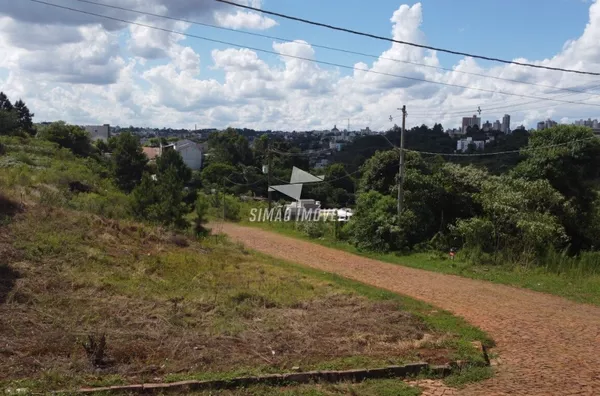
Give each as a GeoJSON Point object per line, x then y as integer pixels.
{"type": "Point", "coordinates": [5, 102]}
{"type": "Point", "coordinates": [24, 116]}
{"type": "Point", "coordinates": [129, 161]}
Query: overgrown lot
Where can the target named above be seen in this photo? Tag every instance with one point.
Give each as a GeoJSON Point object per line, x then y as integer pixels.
{"type": "Point", "coordinates": [172, 308]}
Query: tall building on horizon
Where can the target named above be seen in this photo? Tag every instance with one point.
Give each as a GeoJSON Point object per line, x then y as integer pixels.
{"type": "Point", "coordinates": [506, 123]}
{"type": "Point", "coordinates": [546, 124]}
{"type": "Point", "coordinates": [470, 121]}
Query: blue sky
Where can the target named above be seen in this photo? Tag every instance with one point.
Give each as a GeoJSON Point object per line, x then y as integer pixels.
{"type": "Point", "coordinates": [87, 72]}
{"type": "Point", "coordinates": [500, 28]}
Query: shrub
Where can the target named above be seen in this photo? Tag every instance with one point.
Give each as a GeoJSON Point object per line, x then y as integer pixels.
{"type": "Point", "coordinates": [232, 208]}
{"type": "Point", "coordinates": [2, 149]}
{"type": "Point", "coordinates": [312, 229]}
{"type": "Point", "coordinates": [376, 226]}
{"type": "Point", "coordinates": [68, 136]}
{"type": "Point", "coordinates": [201, 209]}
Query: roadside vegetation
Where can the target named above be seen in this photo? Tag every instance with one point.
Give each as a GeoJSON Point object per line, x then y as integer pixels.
{"type": "Point", "coordinates": [563, 275]}
{"type": "Point", "coordinates": [530, 221]}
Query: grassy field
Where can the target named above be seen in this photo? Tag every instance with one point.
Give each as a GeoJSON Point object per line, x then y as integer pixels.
{"type": "Point", "coordinates": [173, 309]}
{"type": "Point", "coordinates": [87, 300]}
{"type": "Point", "coordinates": [573, 284]}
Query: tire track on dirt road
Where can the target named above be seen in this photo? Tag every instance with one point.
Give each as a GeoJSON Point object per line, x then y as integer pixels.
{"type": "Point", "coordinates": [547, 345]}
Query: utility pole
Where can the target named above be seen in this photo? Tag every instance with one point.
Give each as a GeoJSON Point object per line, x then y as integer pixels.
{"type": "Point", "coordinates": [401, 170]}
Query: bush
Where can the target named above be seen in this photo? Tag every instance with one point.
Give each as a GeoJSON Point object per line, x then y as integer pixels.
{"type": "Point", "coordinates": [375, 225]}
{"type": "Point", "coordinates": [71, 137]}
{"type": "Point", "coordinates": [2, 149]}
{"type": "Point", "coordinates": [312, 229]}
{"type": "Point", "coordinates": [201, 209]}
{"type": "Point", "coordinates": [232, 208]}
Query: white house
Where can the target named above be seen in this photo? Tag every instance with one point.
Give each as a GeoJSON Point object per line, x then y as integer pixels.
{"type": "Point", "coordinates": [191, 152]}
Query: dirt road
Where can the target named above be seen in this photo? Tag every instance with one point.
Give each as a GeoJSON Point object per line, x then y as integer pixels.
{"type": "Point", "coordinates": [547, 345]}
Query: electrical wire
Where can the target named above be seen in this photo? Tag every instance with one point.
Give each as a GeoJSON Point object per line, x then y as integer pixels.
{"type": "Point", "coordinates": [469, 111]}
{"type": "Point", "coordinates": [501, 152]}
{"type": "Point", "coordinates": [405, 42]}
{"type": "Point", "coordinates": [341, 50]}
{"type": "Point", "coordinates": [303, 58]}
{"type": "Point", "coordinates": [321, 182]}
{"type": "Point", "coordinates": [315, 153]}
{"type": "Point", "coordinates": [244, 184]}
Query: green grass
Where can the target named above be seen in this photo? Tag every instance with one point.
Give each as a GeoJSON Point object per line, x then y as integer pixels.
{"type": "Point", "coordinates": [192, 309]}
{"type": "Point", "coordinates": [572, 285]}
{"type": "Point", "coordinates": [387, 387]}
{"type": "Point", "coordinates": [468, 376]}
{"type": "Point", "coordinates": [42, 171]}
{"type": "Point", "coordinates": [174, 308]}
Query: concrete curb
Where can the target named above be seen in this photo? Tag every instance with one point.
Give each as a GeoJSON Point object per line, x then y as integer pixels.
{"type": "Point", "coordinates": [280, 379]}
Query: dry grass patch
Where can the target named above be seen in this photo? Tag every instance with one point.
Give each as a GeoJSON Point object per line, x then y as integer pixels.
{"type": "Point", "coordinates": [99, 301]}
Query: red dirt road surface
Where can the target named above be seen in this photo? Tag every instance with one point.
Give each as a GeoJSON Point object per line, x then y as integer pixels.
{"type": "Point", "coordinates": [547, 345]}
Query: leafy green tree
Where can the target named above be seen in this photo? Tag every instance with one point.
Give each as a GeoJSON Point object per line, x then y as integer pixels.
{"type": "Point", "coordinates": [214, 174]}
{"type": "Point", "coordinates": [68, 136]}
{"type": "Point", "coordinates": [380, 172]}
{"type": "Point", "coordinates": [172, 158]}
{"type": "Point", "coordinates": [572, 166]}
{"type": "Point", "coordinates": [339, 178]}
{"type": "Point", "coordinates": [230, 147]}
{"type": "Point", "coordinates": [375, 225]}
{"type": "Point", "coordinates": [25, 117]}
{"type": "Point", "coordinates": [519, 221]}
{"type": "Point", "coordinates": [129, 161]}
{"type": "Point", "coordinates": [102, 146]}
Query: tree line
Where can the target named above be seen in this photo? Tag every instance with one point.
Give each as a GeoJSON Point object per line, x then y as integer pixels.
{"type": "Point", "coordinates": [517, 207]}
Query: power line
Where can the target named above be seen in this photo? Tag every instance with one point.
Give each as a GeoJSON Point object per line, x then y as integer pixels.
{"type": "Point", "coordinates": [321, 182]}
{"type": "Point", "coordinates": [341, 50]}
{"type": "Point", "coordinates": [245, 184]}
{"type": "Point", "coordinates": [517, 106]}
{"type": "Point", "coordinates": [312, 153]}
{"type": "Point", "coordinates": [517, 102]}
{"type": "Point", "coordinates": [405, 42]}
{"type": "Point", "coordinates": [501, 152]}
{"type": "Point", "coordinates": [303, 58]}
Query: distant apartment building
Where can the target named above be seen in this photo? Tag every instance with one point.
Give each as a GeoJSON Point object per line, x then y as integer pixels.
{"type": "Point", "coordinates": [506, 124]}
{"type": "Point", "coordinates": [470, 122]}
{"type": "Point", "coordinates": [588, 123]}
{"type": "Point", "coordinates": [463, 144]}
{"type": "Point", "coordinates": [455, 132]}
{"type": "Point", "coordinates": [98, 132]}
{"type": "Point", "coordinates": [546, 124]}
{"type": "Point", "coordinates": [487, 126]}
{"type": "Point", "coordinates": [497, 126]}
